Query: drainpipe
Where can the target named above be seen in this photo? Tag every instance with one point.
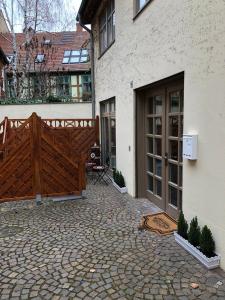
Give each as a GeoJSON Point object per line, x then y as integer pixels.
{"type": "Point", "coordinates": [92, 65]}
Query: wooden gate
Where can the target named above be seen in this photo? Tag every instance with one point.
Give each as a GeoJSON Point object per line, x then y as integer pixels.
{"type": "Point", "coordinates": [44, 157]}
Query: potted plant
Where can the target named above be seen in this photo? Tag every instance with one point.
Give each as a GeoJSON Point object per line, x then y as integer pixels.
{"type": "Point", "coordinates": [197, 242]}
{"type": "Point", "coordinates": [119, 182]}
{"type": "Point", "coordinates": [182, 226]}
{"type": "Point", "coordinates": [194, 233]}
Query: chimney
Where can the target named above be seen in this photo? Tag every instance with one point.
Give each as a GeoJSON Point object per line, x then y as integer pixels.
{"type": "Point", "coordinates": [78, 27]}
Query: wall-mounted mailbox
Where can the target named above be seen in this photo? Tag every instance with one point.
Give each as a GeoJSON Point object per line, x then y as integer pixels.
{"type": "Point", "coordinates": [190, 146]}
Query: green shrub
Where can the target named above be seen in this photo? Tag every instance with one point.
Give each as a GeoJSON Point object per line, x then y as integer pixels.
{"type": "Point", "coordinates": [52, 99]}
{"type": "Point", "coordinates": [118, 178]}
{"type": "Point", "coordinates": [207, 244]}
{"type": "Point", "coordinates": [194, 232]}
{"type": "Point", "coordinates": [182, 226]}
{"type": "Point", "coordinates": [121, 182]}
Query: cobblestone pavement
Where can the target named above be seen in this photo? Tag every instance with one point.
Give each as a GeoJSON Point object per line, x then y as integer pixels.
{"type": "Point", "coordinates": [92, 249]}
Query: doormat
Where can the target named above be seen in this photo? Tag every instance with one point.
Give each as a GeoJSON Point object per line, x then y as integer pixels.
{"type": "Point", "coordinates": [160, 223]}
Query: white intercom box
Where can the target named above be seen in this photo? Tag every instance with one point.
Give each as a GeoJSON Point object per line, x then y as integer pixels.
{"type": "Point", "coordinates": [190, 146]}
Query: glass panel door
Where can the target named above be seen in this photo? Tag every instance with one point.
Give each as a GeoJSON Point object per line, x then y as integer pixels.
{"type": "Point", "coordinates": [163, 147]}
{"type": "Point", "coordinates": [154, 147]}
{"type": "Point", "coordinates": [174, 145]}
{"type": "Point", "coordinates": [108, 130]}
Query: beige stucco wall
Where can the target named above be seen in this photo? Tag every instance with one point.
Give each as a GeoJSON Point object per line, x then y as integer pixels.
{"type": "Point", "coordinates": [171, 36]}
{"type": "Point", "coordinates": [67, 111]}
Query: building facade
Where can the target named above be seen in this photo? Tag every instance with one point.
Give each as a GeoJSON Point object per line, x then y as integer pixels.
{"type": "Point", "coordinates": [53, 75]}
{"type": "Point", "coordinates": [160, 72]}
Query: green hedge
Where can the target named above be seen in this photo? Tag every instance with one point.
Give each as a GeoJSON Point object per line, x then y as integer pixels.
{"type": "Point", "coordinates": [49, 99]}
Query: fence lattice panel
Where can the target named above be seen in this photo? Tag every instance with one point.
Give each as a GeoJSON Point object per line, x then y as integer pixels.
{"type": "Point", "coordinates": [45, 157]}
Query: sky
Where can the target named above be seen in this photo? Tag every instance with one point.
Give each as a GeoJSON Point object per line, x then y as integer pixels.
{"type": "Point", "coordinates": [75, 4]}
{"type": "Point", "coordinates": [71, 7]}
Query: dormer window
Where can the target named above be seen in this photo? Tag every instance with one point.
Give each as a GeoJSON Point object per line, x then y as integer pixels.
{"type": "Point", "coordinates": [47, 42]}
{"type": "Point", "coordinates": [10, 58]}
{"type": "Point", "coordinates": [40, 58]}
{"type": "Point", "coordinates": [75, 56]}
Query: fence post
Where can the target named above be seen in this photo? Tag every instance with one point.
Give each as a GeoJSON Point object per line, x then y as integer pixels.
{"type": "Point", "coordinates": [5, 129]}
{"type": "Point", "coordinates": [36, 154]}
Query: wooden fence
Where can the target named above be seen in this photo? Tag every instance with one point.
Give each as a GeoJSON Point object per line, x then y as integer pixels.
{"type": "Point", "coordinates": [44, 157]}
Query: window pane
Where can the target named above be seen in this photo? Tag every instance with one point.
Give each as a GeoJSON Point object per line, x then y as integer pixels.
{"type": "Point", "coordinates": [75, 53]}
{"type": "Point", "coordinates": [150, 164]}
{"type": "Point", "coordinates": [66, 79]}
{"type": "Point", "coordinates": [74, 92]}
{"type": "Point", "coordinates": [103, 39]}
{"type": "Point", "coordinates": [180, 176]}
{"type": "Point", "coordinates": [150, 125]}
{"type": "Point", "coordinates": [158, 104]}
{"type": "Point", "coordinates": [113, 27]}
{"type": "Point", "coordinates": [180, 199]}
{"type": "Point", "coordinates": [150, 183]}
{"type": "Point", "coordinates": [158, 189]}
{"type": "Point", "coordinates": [158, 147]}
{"type": "Point", "coordinates": [158, 167]}
{"type": "Point", "coordinates": [173, 174]}
{"type": "Point", "coordinates": [65, 60]}
{"type": "Point", "coordinates": [81, 91]}
{"type": "Point", "coordinates": [173, 126]}
{"type": "Point", "coordinates": [66, 53]}
{"type": "Point", "coordinates": [173, 195]}
{"type": "Point", "coordinates": [109, 31]}
{"type": "Point", "coordinates": [10, 58]}
{"type": "Point", "coordinates": [158, 126]}
{"type": "Point", "coordinates": [74, 80]}
{"type": "Point", "coordinates": [174, 101]}
{"type": "Point", "coordinates": [173, 150]}
{"type": "Point", "coordinates": [113, 136]}
{"type": "Point", "coordinates": [109, 9]}
{"type": "Point", "coordinates": [182, 101]}
{"type": "Point", "coordinates": [181, 151]}
{"type": "Point", "coordinates": [84, 52]}
{"type": "Point", "coordinates": [150, 106]}
{"type": "Point", "coordinates": [150, 145]}
{"type": "Point", "coordinates": [103, 19]}
{"type": "Point", "coordinates": [181, 125]}
{"type": "Point", "coordinates": [39, 58]}
{"type": "Point", "coordinates": [85, 78]}
{"type": "Point", "coordinates": [112, 106]}
{"type": "Point", "coordinates": [141, 3]}
{"type": "Point", "coordinates": [84, 59]}
{"type": "Point", "coordinates": [74, 59]}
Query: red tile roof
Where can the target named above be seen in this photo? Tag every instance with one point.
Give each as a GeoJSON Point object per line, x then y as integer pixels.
{"type": "Point", "coordinates": [61, 41]}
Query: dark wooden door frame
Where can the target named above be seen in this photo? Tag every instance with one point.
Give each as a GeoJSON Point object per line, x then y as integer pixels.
{"type": "Point", "coordinates": [140, 165]}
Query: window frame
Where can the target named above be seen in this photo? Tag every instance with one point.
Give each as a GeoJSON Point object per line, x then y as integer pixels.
{"type": "Point", "coordinates": [137, 9]}
{"type": "Point", "coordinates": [108, 14]}
{"type": "Point", "coordinates": [64, 86]}
{"type": "Point", "coordinates": [73, 56]}
{"type": "Point", "coordinates": [38, 61]}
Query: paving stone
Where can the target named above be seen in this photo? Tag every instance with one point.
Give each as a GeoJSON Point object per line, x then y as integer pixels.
{"type": "Point", "coordinates": [51, 256]}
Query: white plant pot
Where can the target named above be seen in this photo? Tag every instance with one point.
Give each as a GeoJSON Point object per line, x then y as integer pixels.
{"type": "Point", "coordinates": [122, 190]}
{"type": "Point", "coordinates": [209, 263]}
